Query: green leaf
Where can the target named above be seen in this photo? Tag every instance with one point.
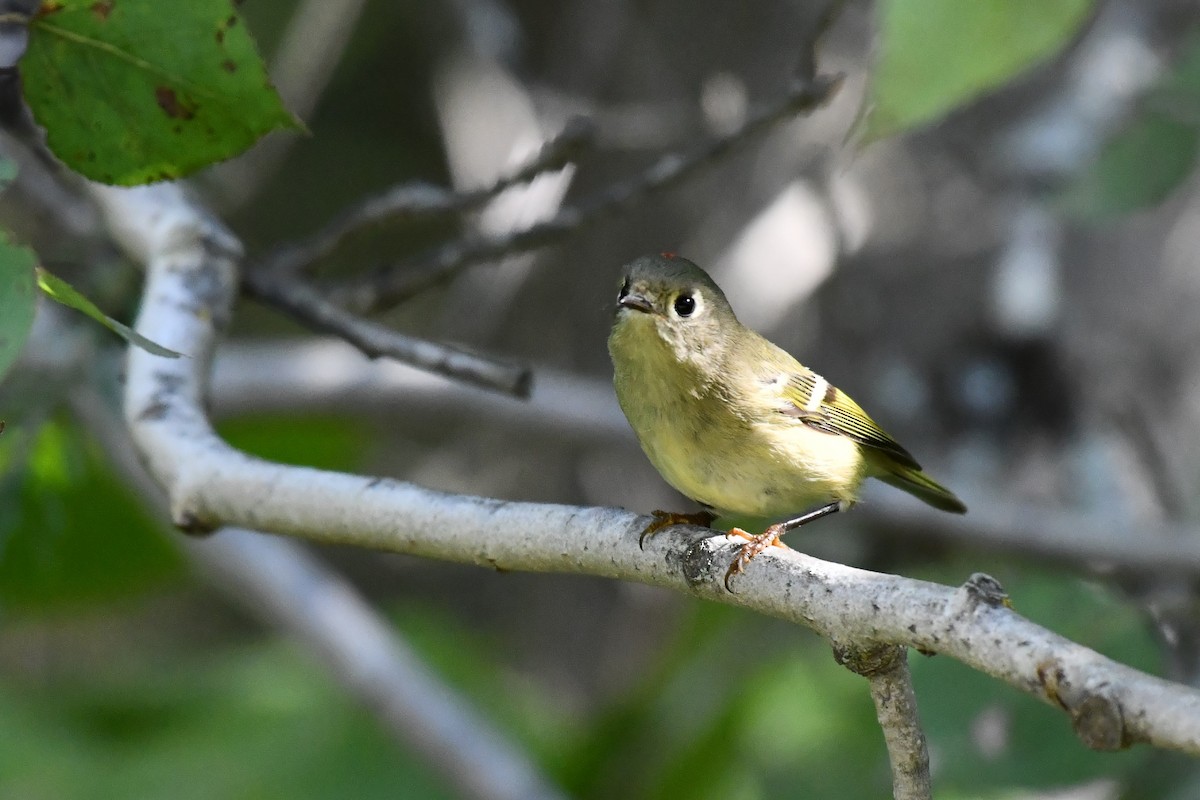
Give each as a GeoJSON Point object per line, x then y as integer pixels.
{"type": "Point", "coordinates": [8, 173]}
{"type": "Point", "coordinates": [71, 535]}
{"type": "Point", "coordinates": [1137, 169]}
{"type": "Point", "coordinates": [65, 293]}
{"type": "Point", "coordinates": [17, 300]}
{"type": "Point", "coordinates": [938, 54]}
{"type": "Point", "coordinates": [137, 91]}
{"type": "Point", "coordinates": [1143, 163]}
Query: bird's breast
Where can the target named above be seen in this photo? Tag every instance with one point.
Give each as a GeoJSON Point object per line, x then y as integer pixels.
{"type": "Point", "coordinates": [714, 449]}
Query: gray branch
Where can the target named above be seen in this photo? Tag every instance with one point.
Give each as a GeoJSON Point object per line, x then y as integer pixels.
{"type": "Point", "coordinates": [411, 201]}
{"type": "Point", "coordinates": [278, 376]}
{"type": "Point", "coordinates": [276, 282]}
{"type": "Point", "coordinates": [896, 708]}
{"type": "Point", "coordinates": [303, 303]}
{"type": "Point", "coordinates": [395, 284]}
{"type": "Point", "coordinates": [191, 285]}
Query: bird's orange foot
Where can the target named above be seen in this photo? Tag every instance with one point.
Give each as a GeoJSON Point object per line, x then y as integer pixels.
{"type": "Point", "coordinates": [665, 519]}
{"type": "Point", "coordinates": [754, 546]}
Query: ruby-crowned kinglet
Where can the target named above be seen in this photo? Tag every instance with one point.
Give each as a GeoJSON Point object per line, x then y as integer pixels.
{"type": "Point", "coordinates": [734, 422]}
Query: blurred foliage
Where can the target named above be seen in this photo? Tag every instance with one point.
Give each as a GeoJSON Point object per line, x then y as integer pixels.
{"type": "Point", "coordinates": [129, 95]}
{"type": "Point", "coordinates": [1139, 168]}
{"type": "Point", "coordinates": [324, 442]}
{"type": "Point", "coordinates": [1142, 164]}
{"type": "Point", "coordinates": [255, 722]}
{"type": "Point", "coordinates": [72, 536]}
{"type": "Point", "coordinates": [70, 533]}
{"type": "Point", "coordinates": [17, 300]}
{"type": "Point", "coordinates": [935, 55]}
{"type": "Point", "coordinates": [734, 706]}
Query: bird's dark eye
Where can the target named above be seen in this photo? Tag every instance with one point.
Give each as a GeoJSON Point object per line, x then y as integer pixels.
{"type": "Point", "coordinates": [624, 290]}
{"type": "Point", "coordinates": [685, 304]}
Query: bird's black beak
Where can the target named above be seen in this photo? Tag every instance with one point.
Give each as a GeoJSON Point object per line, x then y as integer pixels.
{"type": "Point", "coordinates": [635, 301]}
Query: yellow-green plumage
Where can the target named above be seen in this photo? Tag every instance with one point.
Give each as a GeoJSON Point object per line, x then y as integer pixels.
{"type": "Point", "coordinates": [731, 420]}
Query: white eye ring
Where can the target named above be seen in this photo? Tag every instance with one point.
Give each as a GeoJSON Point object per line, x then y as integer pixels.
{"type": "Point", "coordinates": [687, 304]}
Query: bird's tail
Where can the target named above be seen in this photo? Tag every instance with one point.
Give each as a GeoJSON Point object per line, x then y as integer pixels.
{"type": "Point", "coordinates": [923, 487]}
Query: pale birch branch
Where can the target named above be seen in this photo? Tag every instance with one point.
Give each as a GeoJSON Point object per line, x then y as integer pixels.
{"type": "Point", "coordinates": [191, 284]}
{"type": "Point", "coordinates": [297, 376]}
{"type": "Point", "coordinates": [278, 582]}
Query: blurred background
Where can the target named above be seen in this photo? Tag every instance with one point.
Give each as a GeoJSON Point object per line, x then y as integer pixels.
{"type": "Point", "coordinates": [1010, 289]}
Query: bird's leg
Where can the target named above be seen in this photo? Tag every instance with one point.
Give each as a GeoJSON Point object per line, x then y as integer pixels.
{"type": "Point", "coordinates": [771, 536]}
{"type": "Point", "coordinates": [665, 519]}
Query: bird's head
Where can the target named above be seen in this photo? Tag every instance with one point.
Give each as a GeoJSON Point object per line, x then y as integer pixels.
{"type": "Point", "coordinates": [668, 300]}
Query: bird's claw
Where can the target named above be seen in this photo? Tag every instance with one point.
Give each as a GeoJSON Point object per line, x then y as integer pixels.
{"type": "Point", "coordinates": [751, 549]}
{"type": "Point", "coordinates": [734, 569]}
{"type": "Point", "coordinates": [665, 519]}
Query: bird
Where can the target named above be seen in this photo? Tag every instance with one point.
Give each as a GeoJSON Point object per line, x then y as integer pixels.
{"type": "Point", "coordinates": [734, 422]}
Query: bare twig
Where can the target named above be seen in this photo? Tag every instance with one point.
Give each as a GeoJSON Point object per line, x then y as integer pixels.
{"type": "Point", "coordinates": [576, 136]}
{"type": "Point", "coordinates": [1153, 548]}
{"type": "Point", "coordinates": [298, 375]}
{"type": "Point", "coordinates": [470, 84]}
{"type": "Point", "coordinates": [276, 581]}
{"type": "Point", "coordinates": [421, 200]}
{"type": "Point", "coordinates": [301, 301]}
{"type": "Point", "coordinates": [896, 708]}
{"type": "Point", "coordinates": [395, 284]}
{"type": "Point", "coordinates": [806, 69]}
{"type": "Point", "coordinates": [191, 283]}
{"type": "Point", "coordinates": [276, 283]}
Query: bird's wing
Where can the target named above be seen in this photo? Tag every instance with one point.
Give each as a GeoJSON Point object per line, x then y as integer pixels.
{"type": "Point", "coordinates": [819, 404]}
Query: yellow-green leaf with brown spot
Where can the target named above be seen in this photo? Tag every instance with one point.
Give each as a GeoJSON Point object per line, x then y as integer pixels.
{"type": "Point", "coordinates": [136, 91]}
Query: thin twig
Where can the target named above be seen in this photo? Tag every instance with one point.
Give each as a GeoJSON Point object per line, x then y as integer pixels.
{"type": "Point", "coordinates": [411, 201]}
{"type": "Point", "coordinates": [247, 375]}
{"type": "Point", "coordinates": [886, 667]}
{"type": "Point", "coordinates": [806, 69]}
{"type": "Point", "coordinates": [301, 301]}
{"type": "Point", "coordinates": [1090, 541]}
{"type": "Point", "coordinates": [276, 283]}
{"type": "Point", "coordinates": [397, 283]}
